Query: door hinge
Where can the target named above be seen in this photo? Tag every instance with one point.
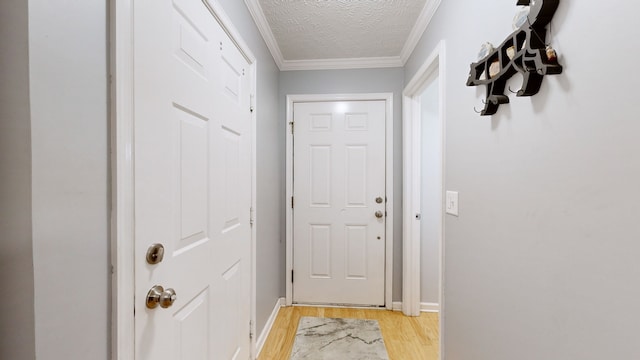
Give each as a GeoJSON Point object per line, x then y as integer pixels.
{"type": "Point", "coordinates": [251, 99]}
{"type": "Point", "coordinates": [292, 202]}
{"type": "Point", "coordinates": [250, 329]}
{"type": "Point", "coordinates": [251, 216]}
{"type": "Point", "coordinates": [291, 123]}
{"type": "Point", "coordinates": [291, 275]}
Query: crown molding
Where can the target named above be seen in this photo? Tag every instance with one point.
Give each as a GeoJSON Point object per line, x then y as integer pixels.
{"type": "Point", "coordinates": [255, 9]}
{"type": "Point", "coordinates": [347, 63]}
{"type": "Point", "coordinates": [419, 28]}
{"type": "Point", "coordinates": [265, 30]}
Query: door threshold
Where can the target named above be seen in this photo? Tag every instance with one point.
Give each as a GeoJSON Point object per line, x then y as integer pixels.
{"type": "Point", "coordinates": [342, 306]}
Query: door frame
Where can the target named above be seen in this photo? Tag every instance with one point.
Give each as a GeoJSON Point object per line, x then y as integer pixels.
{"type": "Point", "coordinates": [411, 124]}
{"type": "Point", "coordinates": [388, 98]}
{"type": "Point", "coordinates": [122, 172]}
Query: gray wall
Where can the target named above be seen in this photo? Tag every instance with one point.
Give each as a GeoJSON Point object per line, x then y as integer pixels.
{"type": "Point", "coordinates": [431, 193]}
{"type": "Point", "coordinates": [543, 261]}
{"type": "Point", "coordinates": [69, 132]}
{"type": "Point", "coordinates": [17, 334]}
{"type": "Point", "coordinates": [270, 167]}
{"type": "Point", "coordinates": [358, 81]}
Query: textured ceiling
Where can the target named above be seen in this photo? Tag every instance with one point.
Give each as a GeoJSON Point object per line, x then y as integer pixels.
{"type": "Point", "coordinates": [338, 29]}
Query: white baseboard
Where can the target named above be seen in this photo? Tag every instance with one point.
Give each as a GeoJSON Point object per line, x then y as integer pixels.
{"type": "Point", "coordinates": [262, 338]}
{"type": "Point", "coordinates": [430, 307]}
{"type": "Point", "coordinates": [424, 307]}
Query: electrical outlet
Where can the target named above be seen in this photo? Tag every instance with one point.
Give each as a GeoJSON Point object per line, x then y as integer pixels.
{"type": "Point", "coordinates": [451, 204]}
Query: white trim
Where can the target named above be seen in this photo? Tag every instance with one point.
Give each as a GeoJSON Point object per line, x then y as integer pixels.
{"type": "Point", "coordinates": [424, 307]}
{"type": "Point", "coordinates": [410, 191]}
{"type": "Point", "coordinates": [429, 307]}
{"type": "Point", "coordinates": [411, 237]}
{"type": "Point", "coordinates": [411, 176]}
{"type": "Point", "coordinates": [255, 9]}
{"type": "Point", "coordinates": [346, 63]}
{"type": "Point", "coordinates": [291, 99]}
{"type": "Point", "coordinates": [427, 13]}
{"type": "Point", "coordinates": [396, 306]}
{"type": "Point", "coordinates": [253, 69]}
{"type": "Point", "coordinates": [122, 178]}
{"type": "Point", "coordinates": [122, 234]}
{"type": "Point", "coordinates": [266, 330]}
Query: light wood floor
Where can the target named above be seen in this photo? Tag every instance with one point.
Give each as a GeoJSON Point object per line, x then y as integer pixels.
{"type": "Point", "coordinates": [406, 338]}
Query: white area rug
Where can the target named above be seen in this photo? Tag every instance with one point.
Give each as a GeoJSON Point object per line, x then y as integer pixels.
{"type": "Point", "coordinates": [338, 339]}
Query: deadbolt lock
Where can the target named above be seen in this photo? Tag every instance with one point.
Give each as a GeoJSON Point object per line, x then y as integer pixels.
{"type": "Point", "coordinates": [159, 296]}
{"type": "Point", "coordinates": [379, 200]}
{"type": "Point", "coordinates": [155, 254]}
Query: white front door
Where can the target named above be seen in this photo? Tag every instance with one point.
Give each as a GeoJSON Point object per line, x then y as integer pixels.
{"type": "Point", "coordinates": [339, 203]}
{"type": "Point", "coordinates": [192, 158]}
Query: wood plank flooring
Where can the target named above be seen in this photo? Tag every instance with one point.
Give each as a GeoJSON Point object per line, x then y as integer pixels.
{"type": "Point", "coordinates": [406, 338]}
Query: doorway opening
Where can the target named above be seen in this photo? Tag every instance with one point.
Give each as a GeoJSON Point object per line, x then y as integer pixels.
{"type": "Point", "coordinates": [357, 150]}
{"type": "Point", "coordinates": [423, 188]}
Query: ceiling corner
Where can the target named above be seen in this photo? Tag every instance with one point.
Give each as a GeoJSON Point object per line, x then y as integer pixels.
{"type": "Point", "coordinates": [341, 64]}
{"type": "Point", "coordinates": [265, 30]}
{"type": "Point", "coordinates": [418, 29]}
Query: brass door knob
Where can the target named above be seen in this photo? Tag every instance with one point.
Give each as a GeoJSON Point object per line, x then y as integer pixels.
{"type": "Point", "coordinates": [379, 214]}
{"type": "Point", "coordinates": [159, 296]}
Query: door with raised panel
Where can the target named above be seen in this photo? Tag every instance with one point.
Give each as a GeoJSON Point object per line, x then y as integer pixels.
{"type": "Point", "coordinates": [339, 203]}
{"type": "Point", "coordinates": [192, 158]}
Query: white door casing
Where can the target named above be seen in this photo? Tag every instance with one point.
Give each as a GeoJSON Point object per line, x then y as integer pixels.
{"type": "Point", "coordinates": [411, 122]}
{"type": "Point", "coordinates": [343, 252]}
{"type": "Point", "coordinates": [190, 175]}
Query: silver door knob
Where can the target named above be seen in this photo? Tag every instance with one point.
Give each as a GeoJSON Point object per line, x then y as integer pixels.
{"type": "Point", "coordinates": [379, 214]}
{"type": "Point", "coordinates": [159, 296]}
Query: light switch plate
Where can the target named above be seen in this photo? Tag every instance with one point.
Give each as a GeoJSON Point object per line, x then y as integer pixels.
{"type": "Point", "coordinates": [451, 204]}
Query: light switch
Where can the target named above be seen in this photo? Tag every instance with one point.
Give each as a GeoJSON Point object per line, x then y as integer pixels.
{"type": "Point", "coordinates": [451, 203]}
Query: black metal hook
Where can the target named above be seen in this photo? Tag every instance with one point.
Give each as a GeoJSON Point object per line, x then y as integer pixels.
{"type": "Point", "coordinates": [513, 92]}
{"type": "Point", "coordinates": [476, 110]}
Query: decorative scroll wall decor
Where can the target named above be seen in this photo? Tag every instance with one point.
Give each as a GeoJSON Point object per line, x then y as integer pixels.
{"type": "Point", "coordinates": [524, 51]}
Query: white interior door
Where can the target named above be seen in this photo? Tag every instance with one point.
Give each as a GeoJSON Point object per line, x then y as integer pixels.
{"type": "Point", "coordinates": [192, 156]}
{"type": "Point", "coordinates": [338, 187]}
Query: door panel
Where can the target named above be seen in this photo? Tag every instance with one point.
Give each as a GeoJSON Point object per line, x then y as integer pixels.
{"type": "Point", "coordinates": [339, 170]}
{"type": "Point", "coordinates": [192, 323]}
{"type": "Point", "coordinates": [356, 254]}
{"type": "Point", "coordinates": [356, 175]}
{"type": "Point", "coordinates": [320, 254]}
{"type": "Point", "coordinates": [319, 183]}
{"type": "Point", "coordinates": [192, 157]}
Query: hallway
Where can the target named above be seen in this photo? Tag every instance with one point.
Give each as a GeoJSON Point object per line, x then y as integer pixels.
{"type": "Point", "coordinates": [546, 233]}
